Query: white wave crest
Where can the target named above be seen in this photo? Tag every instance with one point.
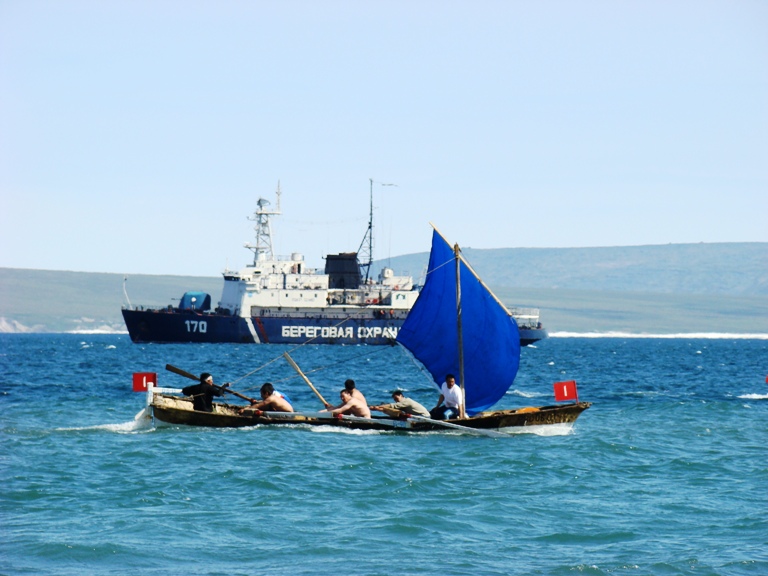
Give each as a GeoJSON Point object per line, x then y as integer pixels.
{"type": "Point", "coordinates": [526, 394]}
{"type": "Point", "coordinates": [682, 335]}
{"type": "Point", "coordinates": [335, 429]}
{"type": "Point", "coordinates": [754, 396]}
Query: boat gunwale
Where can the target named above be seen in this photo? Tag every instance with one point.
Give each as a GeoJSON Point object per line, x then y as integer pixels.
{"type": "Point", "coordinates": [173, 409]}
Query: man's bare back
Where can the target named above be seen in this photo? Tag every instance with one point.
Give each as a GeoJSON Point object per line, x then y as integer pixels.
{"type": "Point", "coordinates": [271, 400]}
{"type": "Point", "coordinates": [350, 405]}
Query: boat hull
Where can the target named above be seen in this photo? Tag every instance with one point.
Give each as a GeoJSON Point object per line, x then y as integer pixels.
{"type": "Point", "coordinates": [176, 326]}
{"type": "Point", "coordinates": [177, 410]}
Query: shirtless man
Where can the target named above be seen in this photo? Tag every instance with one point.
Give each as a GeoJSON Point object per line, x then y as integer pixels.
{"type": "Point", "coordinates": [349, 386]}
{"type": "Point", "coordinates": [271, 400]}
{"type": "Point", "coordinates": [350, 406]}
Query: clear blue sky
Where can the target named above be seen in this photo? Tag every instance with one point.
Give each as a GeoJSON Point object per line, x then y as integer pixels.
{"type": "Point", "coordinates": [136, 136]}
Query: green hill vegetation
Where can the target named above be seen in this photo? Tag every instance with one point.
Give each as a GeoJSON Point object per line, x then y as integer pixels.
{"type": "Point", "coordinates": [677, 288]}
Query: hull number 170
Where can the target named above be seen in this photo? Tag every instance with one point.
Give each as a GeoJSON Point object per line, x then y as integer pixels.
{"type": "Point", "coordinates": [200, 326]}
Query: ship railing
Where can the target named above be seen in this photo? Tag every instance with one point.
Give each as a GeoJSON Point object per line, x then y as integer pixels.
{"type": "Point", "coordinates": [528, 317]}
{"type": "Point", "coordinates": [151, 307]}
{"type": "Point", "coordinates": [351, 312]}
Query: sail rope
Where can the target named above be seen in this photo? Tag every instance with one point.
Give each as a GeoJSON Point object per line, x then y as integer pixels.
{"type": "Point", "coordinates": [419, 366]}
{"type": "Point", "coordinates": [325, 367]}
{"type": "Point", "coordinates": [436, 268]}
{"type": "Point", "coordinates": [314, 370]}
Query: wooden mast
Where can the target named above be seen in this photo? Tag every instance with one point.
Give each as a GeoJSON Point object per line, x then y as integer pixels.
{"type": "Point", "coordinates": [462, 413]}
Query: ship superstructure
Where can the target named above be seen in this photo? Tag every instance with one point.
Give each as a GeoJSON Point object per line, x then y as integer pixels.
{"type": "Point", "coordinates": [281, 299]}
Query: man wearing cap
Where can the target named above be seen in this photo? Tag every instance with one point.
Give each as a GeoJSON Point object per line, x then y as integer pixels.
{"type": "Point", "coordinates": [403, 404]}
{"type": "Point", "coordinates": [203, 393]}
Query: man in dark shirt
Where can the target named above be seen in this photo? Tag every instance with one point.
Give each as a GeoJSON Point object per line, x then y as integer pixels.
{"type": "Point", "coordinates": [203, 393]}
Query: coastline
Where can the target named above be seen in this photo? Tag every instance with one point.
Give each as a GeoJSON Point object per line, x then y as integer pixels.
{"type": "Point", "coordinates": [681, 335]}
{"type": "Point", "coordinates": [552, 335]}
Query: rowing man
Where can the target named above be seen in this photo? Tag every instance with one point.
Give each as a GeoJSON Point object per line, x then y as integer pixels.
{"type": "Point", "coordinates": [403, 404]}
{"type": "Point", "coordinates": [203, 393]}
{"type": "Point", "coordinates": [350, 405]}
{"type": "Point", "coordinates": [271, 401]}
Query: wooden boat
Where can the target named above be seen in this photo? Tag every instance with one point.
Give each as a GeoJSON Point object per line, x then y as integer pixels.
{"type": "Point", "coordinates": [456, 326]}
{"type": "Point", "coordinates": [172, 409]}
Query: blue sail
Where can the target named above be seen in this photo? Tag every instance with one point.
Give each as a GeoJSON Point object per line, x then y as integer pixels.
{"type": "Point", "coordinates": [490, 334]}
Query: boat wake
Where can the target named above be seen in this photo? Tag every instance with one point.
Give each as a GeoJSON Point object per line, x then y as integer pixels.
{"type": "Point", "coordinates": [140, 423]}
{"type": "Point", "coordinates": [561, 429]}
{"type": "Point", "coordinates": [353, 432]}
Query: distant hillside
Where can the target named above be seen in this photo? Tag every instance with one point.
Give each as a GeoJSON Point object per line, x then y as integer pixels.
{"type": "Point", "coordinates": [62, 301]}
{"type": "Point", "coordinates": [733, 268]}
{"type": "Point", "coordinates": [641, 312]}
{"type": "Point", "coordinates": [727, 268]}
{"type": "Point", "coordinates": [671, 288]}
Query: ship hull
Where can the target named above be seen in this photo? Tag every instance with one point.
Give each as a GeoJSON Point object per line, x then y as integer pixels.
{"type": "Point", "coordinates": [194, 327]}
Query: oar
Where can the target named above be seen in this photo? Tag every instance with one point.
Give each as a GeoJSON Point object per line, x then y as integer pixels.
{"type": "Point", "coordinates": [392, 412]}
{"type": "Point", "coordinates": [304, 376]}
{"type": "Point", "coordinates": [467, 429]}
{"type": "Point", "coordinates": [191, 376]}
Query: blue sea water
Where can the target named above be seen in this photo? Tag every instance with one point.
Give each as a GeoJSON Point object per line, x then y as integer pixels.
{"type": "Point", "coordinates": [665, 474]}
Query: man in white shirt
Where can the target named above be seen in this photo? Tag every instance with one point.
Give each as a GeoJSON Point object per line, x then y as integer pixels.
{"type": "Point", "coordinates": [452, 395]}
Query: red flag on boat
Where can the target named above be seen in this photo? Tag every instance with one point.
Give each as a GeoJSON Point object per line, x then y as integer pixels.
{"type": "Point", "coordinates": [141, 379]}
{"type": "Point", "coordinates": [566, 391]}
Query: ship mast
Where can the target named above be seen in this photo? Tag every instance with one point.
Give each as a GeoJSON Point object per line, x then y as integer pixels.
{"type": "Point", "coordinates": [262, 249]}
{"type": "Point", "coordinates": [367, 250]}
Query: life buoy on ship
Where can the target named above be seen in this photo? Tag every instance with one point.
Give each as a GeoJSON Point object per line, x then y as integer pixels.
{"type": "Point", "coordinates": [397, 287]}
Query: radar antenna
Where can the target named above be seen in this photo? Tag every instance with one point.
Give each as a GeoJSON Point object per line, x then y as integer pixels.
{"type": "Point", "coordinates": [262, 249]}
{"type": "Point", "coordinates": [366, 246]}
